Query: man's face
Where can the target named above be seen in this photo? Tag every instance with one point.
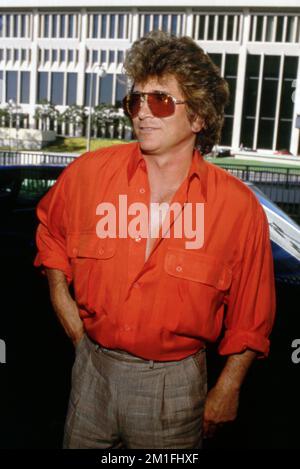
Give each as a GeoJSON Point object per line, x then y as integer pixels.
{"type": "Point", "coordinates": [163, 135]}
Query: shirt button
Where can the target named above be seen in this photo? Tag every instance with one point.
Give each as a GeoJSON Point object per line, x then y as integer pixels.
{"type": "Point", "coordinates": [136, 285]}
{"type": "Point", "coordinates": [142, 190]}
{"type": "Point", "coordinates": [179, 268]}
{"type": "Point", "coordinates": [138, 239]}
{"type": "Point", "coordinates": [74, 250]}
{"type": "Point", "coordinates": [101, 251]}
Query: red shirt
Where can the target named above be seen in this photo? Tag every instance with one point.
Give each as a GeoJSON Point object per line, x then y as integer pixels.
{"type": "Point", "coordinates": [167, 307]}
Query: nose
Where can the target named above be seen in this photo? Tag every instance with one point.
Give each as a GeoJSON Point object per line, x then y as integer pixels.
{"type": "Point", "coordinates": [144, 110]}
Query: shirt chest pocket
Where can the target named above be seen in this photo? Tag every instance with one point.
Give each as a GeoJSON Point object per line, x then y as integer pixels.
{"type": "Point", "coordinates": [197, 267]}
{"type": "Point", "coordinates": [89, 256]}
{"type": "Point", "coordinates": [197, 284]}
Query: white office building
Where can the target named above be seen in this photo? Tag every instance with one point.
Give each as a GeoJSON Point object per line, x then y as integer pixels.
{"type": "Point", "coordinates": [49, 49]}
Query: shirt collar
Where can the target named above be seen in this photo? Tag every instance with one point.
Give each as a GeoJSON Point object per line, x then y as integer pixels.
{"type": "Point", "coordinates": [135, 160]}
{"type": "Point", "coordinates": [198, 168]}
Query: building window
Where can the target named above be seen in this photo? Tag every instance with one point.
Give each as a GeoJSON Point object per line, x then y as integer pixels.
{"type": "Point", "coordinates": [1, 54]}
{"type": "Point", "coordinates": [23, 55]}
{"type": "Point", "coordinates": [54, 55]}
{"type": "Point", "coordinates": [94, 56]}
{"type": "Point", "coordinates": [111, 56]}
{"type": "Point", "coordinates": [106, 87]}
{"type": "Point", "coordinates": [120, 56]}
{"type": "Point", "coordinates": [286, 103]}
{"type": "Point", "coordinates": [108, 26]}
{"type": "Point", "coordinates": [23, 26]}
{"type": "Point", "coordinates": [211, 27]}
{"type": "Point", "coordinates": [112, 33]}
{"type": "Point", "coordinates": [46, 26]}
{"type": "Point", "coordinates": [103, 56]}
{"type": "Point", "coordinates": [42, 86]}
{"type": "Point", "coordinates": [1, 86]}
{"type": "Point", "coordinates": [62, 55]}
{"type": "Point", "coordinates": [250, 100]}
{"type": "Point", "coordinates": [230, 75]}
{"type": "Point", "coordinates": [1, 25]}
{"type": "Point", "coordinates": [15, 23]}
{"type": "Point", "coordinates": [274, 28]}
{"type": "Point", "coordinates": [268, 101]}
{"type": "Point", "coordinates": [16, 55]}
{"type": "Point", "coordinates": [11, 86]}
{"type": "Point", "coordinates": [25, 87]}
{"type": "Point", "coordinates": [95, 26]}
{"type": "Point", "coordinates": [57, 88]}
{"type": "Point", "coordinates": [8, 55]}
{"type": "Point", "coordinates": [90, 89]}
{"type": "Point", "coordinates": [171, 23]}
{"type": "Point", "coordinates": [46, 55]}
{"type": "Point", "coordinates": [54, 25]}
{"type": "Point", "coordinates": [121, 89]}
{"type": "Point", "coordinates": [7, 26]}
{"type": "Point", "coordinates": [70, 55]}
{"type": "Point", "coordinates": [71, 29]}
{"type": "Point", "coordinates": [62, 31]}
{"type": "Point", "coordinates": [121, 27]}
{"type": "Point", "coordinates": [103, 26]}
{"type": "Point", "coordinates": [71, 88]}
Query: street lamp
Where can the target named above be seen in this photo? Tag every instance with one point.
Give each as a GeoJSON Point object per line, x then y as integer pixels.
{"type": "Point", "coordinates": [101, 72]}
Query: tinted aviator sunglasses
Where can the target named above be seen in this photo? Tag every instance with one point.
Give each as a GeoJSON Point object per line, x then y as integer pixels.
{"type": "Point", "coordinates": [160, 104]}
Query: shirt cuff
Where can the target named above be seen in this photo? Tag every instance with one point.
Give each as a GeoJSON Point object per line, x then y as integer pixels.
{"type": "Point", "coordinates": [53, 262]}
{"type": "Point", "coordinates": [237, 341]}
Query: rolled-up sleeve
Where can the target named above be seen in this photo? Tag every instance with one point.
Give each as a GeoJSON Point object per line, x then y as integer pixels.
{"type": "Point", "coordinates": [251, 300]}
{"type": "Point", "coordinates": [52, 229]}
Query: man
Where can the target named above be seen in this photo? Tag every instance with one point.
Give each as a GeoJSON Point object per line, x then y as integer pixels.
{"type": "Point", "coordinates": [145, 305]}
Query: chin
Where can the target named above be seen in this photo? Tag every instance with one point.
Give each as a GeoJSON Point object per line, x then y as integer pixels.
{"type": "Point", "coordinates": [148, 147]}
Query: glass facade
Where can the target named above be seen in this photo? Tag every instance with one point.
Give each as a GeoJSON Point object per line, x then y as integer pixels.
{"type": "Point", "coordinates": [25, 87]}
{"type": "Point", "coordinates": [57, 88]}
{"type": "Point", "coordinates": [15, 25]}
{"type": "Point", "coordinates": [106, 88]}
{"type": "Point", "coordinates": [42, 93]}
{"type": "Point", "coordinates": [286, 103]}
{"type": "Point", "coordinates": [11, 86]}
{"type": "Point", "coordinates": [1, 86]}
{"type": "Point", "coordinates": [121, 89]}
{"type": "Point", "coordinates": [90, 89]}
{"type": "Point", "coordinates": [267, 79]}
{"type": "Point", "coordinates": [71, 89]}
{"type": "Point", "coordinates": [268, 104]}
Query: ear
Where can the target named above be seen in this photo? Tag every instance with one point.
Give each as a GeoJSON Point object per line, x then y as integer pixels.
{"type": "Point", "coordinates": [197, 124]}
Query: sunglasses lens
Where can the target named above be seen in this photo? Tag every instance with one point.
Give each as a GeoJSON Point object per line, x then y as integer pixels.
{"type": "Point", "coordinates": [160, 104]}
{"type": "Point", "coordinates": [131, 104]}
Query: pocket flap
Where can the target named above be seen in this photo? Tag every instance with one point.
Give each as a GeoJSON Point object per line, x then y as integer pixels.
{"type": "Point", "coordinates": [90, 246]}
{"type": "Point", "coordinates": [198, 268]}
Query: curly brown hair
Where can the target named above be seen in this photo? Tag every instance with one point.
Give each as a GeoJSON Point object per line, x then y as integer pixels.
{"type": "Point", "coordinates": [159, 54]}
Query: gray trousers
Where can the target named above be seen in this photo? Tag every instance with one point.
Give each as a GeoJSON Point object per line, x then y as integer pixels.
{"type": "Point", "coordinates": [121, 401]}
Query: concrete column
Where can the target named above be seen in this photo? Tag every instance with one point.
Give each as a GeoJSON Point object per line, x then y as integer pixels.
{"type": "Point", "coordinates": [240, 82]}
{"type": "Point", "coordinates": [34, 67]}
{"type": "Point", "coordinates": [83, 25]}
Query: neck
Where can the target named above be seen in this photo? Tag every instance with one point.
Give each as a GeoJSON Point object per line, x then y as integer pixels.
{"type": "Point", "coordinates": [168, 169]}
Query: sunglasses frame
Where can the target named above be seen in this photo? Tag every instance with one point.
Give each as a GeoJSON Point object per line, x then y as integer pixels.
{"type": "Point", "coordinates": [144, 96]}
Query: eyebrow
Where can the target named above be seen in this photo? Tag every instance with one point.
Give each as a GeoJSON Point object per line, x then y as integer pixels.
{"type": "Point", "coordinates": [152, 91]}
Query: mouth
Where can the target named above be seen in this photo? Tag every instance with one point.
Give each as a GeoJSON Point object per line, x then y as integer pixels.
{"type": "Point", "coordinates": [147, 129]}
